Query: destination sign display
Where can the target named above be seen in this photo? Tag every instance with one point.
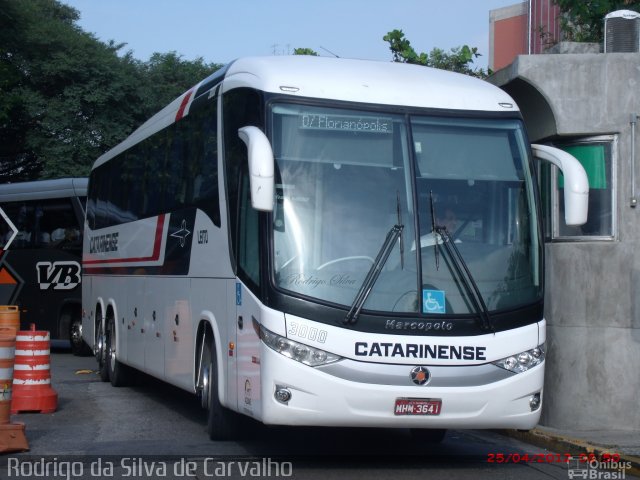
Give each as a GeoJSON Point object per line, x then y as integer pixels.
{"type": "Point", "coordinates": [345, 123]}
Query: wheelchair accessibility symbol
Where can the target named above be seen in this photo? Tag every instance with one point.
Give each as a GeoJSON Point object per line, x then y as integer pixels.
{"type": "Point", "coordinates": [433, 301]}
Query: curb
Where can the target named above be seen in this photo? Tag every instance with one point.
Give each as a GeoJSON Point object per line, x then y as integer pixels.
{"type": "Point", "coordinates": [565, 444]}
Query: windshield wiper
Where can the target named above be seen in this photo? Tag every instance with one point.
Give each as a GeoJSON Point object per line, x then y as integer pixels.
{"type": "Point", "coordinates": [399, 213]}
{"type": "Point", "coordinates": [436, 249]}
{"type": "Point", "coordinates": [374, 272]}
{"type": "Point", "coordinates": [462, 271]}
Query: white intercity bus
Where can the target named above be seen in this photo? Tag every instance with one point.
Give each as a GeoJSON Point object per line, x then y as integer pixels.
{"type": "Point", "coordinates": [331, 242]}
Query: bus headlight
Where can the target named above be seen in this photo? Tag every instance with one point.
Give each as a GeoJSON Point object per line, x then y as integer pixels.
{"type": "Point", "coordinates": [295, 350]}
{"type": "Point", "coordinates": [523, 361]}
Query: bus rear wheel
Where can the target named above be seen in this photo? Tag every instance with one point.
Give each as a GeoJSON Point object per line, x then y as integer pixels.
{"type": "Point", "coordinates": [100, 348]}
{"type": "Point", "coordinates": [118, 373]}
{"type": "Point", "coordinates": [222, 423]}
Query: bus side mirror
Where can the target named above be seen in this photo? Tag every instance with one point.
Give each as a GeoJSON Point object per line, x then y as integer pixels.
{"type": "Point", "coordinates": [576, 183]}
{"type": "Point", "coordinates": [261, 167]}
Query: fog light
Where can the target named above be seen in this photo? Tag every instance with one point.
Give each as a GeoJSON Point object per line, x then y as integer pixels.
{"type": "Point", "coordinates": [534, 402]}
{"type": "Point", "coordinates": [283, 394]}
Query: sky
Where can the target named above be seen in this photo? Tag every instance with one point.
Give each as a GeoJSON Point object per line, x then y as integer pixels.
{"type": "Point", "coordinates": [220, 31]}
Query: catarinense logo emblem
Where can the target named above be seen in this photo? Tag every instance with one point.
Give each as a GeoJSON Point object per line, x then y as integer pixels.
{"type": "Point", "coordinates": [420, 375]}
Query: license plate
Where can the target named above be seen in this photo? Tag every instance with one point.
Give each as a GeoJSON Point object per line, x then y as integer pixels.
{"type": "Point", "coordinates": [417, 406]}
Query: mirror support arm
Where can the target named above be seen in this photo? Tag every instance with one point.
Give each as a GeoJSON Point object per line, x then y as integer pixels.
{"type": "Point", "coordinates": [576, 182]}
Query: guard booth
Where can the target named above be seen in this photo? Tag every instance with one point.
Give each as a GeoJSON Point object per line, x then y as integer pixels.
{"type": "Point", "coordinates": [588, 105]}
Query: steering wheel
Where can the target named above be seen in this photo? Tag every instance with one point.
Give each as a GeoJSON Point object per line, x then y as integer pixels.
{"type": "Point", "coordinates": [286, 264]}
{"type": "Point", "coordinates": [346, 259]}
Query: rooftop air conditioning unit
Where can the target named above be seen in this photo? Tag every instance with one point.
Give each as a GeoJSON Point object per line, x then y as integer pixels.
{"type": "Point", "coordinates": [622, 32]}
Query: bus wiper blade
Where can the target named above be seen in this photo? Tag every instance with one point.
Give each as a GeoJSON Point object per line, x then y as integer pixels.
{"type": "Point", "coordinates": [399, 213]}
{"type": "Point", "coordinates": [436, 248]}
{"type": "Point", "coordinates": [373, 274]}
{"type": "Point", "coordinates": [466, 277]}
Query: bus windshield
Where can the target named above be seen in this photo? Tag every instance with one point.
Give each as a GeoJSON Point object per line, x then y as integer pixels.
{"type": "Point", "coordinates": [345, 179]}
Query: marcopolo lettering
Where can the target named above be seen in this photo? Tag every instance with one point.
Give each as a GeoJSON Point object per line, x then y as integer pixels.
{"type": "Point", "coordinates": [419, 350]}
{"type": "Point", "coordinates": [417, 325]}
{"type": "Point", "coordinates": [104, 243]}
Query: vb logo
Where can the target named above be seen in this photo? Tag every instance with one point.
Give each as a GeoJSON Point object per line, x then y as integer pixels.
{"type": "Point", "coordinates": [60, 275]}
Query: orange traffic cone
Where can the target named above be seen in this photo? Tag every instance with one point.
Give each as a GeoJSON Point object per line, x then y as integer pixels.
{"type": "Point", "coordinates": [32, 390]}
{"type": "Point", "coordinates": [12, 438]}
{"type": "Point", "coordinates": [10, 317]}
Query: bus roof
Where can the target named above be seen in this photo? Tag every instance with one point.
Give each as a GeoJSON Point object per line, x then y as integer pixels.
{"type": "Point", "coordinates": [365, 81]}
{"type": "Point", "coordinates": [43, 189]}
{"type": "Point", "coordinates": [361, 81]}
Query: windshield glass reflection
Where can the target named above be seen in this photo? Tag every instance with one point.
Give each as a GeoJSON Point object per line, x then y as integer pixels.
{"type": "Point", "coordinates": [345, 179]}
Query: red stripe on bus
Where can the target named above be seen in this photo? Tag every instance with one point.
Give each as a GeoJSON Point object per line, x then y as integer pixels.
{"type": "Point", "coordinates": [153, 258]}
{"type": "Point", "coordinates": [183, 105]}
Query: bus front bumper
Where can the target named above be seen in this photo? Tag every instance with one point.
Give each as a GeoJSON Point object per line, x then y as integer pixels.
{"type": "Point", "coordinates": [321, 399]}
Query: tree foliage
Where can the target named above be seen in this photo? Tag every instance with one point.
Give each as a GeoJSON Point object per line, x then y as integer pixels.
{"type": "Point", "coordinates": [305, 51]}
{"type": "Point", "coordinates": [458, 59]}
{"type": "Point", "coordinates": [168, 75]}
{"type": "Point", "coordinates": [66, 97]}
{"type": "Point", "coordinates": [583, 20]}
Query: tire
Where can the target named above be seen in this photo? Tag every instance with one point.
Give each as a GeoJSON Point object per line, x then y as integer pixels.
{"type": "Point", "coordinates": [101, 350]}
{"type": "Point", "coordinates": [428, 435]}
{"type": "Point", "coordinates": [78, 346]}
{"type": "Point", "coordinates": [222, 423]}
{"type": "Point", "coordinates": [118, 373]}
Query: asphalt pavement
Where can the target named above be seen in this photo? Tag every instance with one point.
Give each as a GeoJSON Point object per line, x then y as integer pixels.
{"type": "Point", "coordinates": [620, 445]}
{"type": "Point", "coordinates": [77, 429]}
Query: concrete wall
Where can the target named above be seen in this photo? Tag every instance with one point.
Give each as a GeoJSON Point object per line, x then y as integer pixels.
{"type": "Point", "coordinates": [593, 288]}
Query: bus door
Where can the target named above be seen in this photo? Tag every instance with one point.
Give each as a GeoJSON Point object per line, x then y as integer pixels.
{"type": "Point", "coordinates": [247, 305]}
{"type": "Point", "coordinates": [247, 351]}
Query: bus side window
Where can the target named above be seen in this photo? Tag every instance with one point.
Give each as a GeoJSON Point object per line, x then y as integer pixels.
{"type": "Point", "coordinates": [43, 224]}
{"type": "Point", "coordinates": [242, 107]}
{"type": "Point", "coordinates": [21, 215]}
{"type": "Point", "coordinates": [248, 251]}
{"type": "Point", "coordinates": [60, 223]}
{"type": "Point", "coordinates": [204, 192]}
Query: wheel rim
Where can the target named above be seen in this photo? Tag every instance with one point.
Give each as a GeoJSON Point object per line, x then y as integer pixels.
{"type": "Point", "coordinates": [204, 398]}
{"type": "Point", "coordinates": [111, 350]}
{"type": "Point", "coordinates": [99, 345]}
{"type": "Point", "coordinates": [76, 333]}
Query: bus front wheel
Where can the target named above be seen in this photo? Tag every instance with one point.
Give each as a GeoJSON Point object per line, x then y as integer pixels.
{"type": "Point", "coordinates": [222, 423]}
